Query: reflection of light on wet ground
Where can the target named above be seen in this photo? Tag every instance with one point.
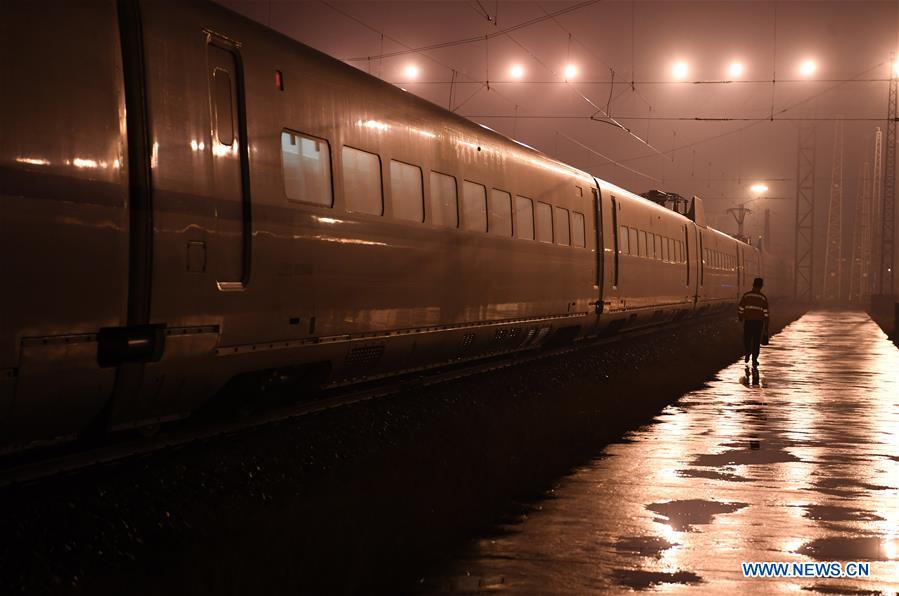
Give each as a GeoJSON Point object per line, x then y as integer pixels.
{"type": "Point", "coordinates": [804, 467]}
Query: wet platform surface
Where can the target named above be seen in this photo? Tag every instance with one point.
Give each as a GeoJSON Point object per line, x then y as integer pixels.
{"type": "Point", "coordinates": [802, 467]}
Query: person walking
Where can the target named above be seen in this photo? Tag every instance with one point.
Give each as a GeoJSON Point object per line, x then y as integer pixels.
{"type": "Point", "coordinates": [753, 313]}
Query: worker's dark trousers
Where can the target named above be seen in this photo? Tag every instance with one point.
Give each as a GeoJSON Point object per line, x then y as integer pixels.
{"type": "Point", "coordinates": [752, 338]}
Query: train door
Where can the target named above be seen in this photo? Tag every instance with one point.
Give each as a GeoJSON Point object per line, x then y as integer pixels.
{"type": "Point", "coordinates": [600, 247]}
{"type": "Point", "coordinates": [229, 257]}
{"type": "Point", "coordinates": [199, 208]}
{"type": "Point", "coordinates": [607, 243]}
{"type": "Point", "coordinates": [615, 244]}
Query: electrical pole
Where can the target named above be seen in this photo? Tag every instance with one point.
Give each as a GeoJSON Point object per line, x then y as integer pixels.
{"type": "Point", "coordinates": [888, 211]}
{"type": "Point", "coordinates": [859, 267]}
{"type": "Point", "coordinates": [876, 204]}
{"type": "Point", "coordinates": [833, 251]}
{"type": "Point", "coordinates": [805, 214]}
{"type": "Point", "coordinates": [739, 214]}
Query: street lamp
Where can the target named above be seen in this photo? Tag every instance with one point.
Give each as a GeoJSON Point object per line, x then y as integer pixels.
{"type": "Point", "coordinates": [808, 68]}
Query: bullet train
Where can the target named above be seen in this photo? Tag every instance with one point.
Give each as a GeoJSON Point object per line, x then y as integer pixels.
{"type": "Point", "coordinates": [191, 202]}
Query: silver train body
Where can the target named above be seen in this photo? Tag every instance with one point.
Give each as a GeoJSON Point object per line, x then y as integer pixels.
{"type": "Point", "coordinates": [188, 198]}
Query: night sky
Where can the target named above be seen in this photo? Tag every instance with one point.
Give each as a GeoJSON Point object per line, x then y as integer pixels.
{"type": "Point", "coordinates": [850, 43]}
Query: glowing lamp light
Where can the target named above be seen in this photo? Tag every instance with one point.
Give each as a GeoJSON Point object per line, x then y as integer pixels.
{"type": "Point", "coordinates": [517, 71]}
{"type": "Point", "coordinates": [758, 188]}
{"type": "Point", "coordinates": [411, 72]}
{"type": "Point", "coordinates": [735, 70]}
{"type": "Point", "coordinates": [570, 71]}
{"type": "Point", "coordinates": [680, 70]}
{"type": "Point", "coordinates": [808, 68]}
{"type": "Point", "coordinates": [896, 68]}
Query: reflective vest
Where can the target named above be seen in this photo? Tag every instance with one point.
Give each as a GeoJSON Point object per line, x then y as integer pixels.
{"type": "Point", "coordinates": [753, 307]}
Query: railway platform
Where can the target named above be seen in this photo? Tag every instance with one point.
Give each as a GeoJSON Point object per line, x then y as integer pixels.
{"type": "Point", "coordinates": [800, 467]}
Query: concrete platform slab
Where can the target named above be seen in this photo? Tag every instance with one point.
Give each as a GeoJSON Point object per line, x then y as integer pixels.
{"type": "Point", "coordinates": [802, 467]}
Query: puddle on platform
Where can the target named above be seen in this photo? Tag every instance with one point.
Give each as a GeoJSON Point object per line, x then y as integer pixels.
{"type": "Point", "coordinates": [683, 515]}
{"type": "Point", "coordinates": [646, 546]}
{"type": "Point", "coordinates": [853, 548]}
{"type": "Point", "coordinates": [804, 469]}
{"type": "Point", "coordinates": [641, 580]}
{"type": "Point", "coordinates": [711, 474]}
{"type": "Point", "coordinates": [836, 513]}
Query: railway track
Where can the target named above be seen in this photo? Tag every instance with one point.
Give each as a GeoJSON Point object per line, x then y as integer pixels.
{"type": "Point", "coordinates": [33, 469]}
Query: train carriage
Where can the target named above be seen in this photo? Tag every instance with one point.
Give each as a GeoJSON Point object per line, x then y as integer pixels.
{"type": "Point", "coordinates": [210, 202]}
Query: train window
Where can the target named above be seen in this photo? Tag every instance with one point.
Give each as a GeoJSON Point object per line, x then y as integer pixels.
{"type": "Point", "coordinates": [499, 219]}
{"type": "Point", "coordinates": [406, 195]}
{"type": "Point", "coordinates": [544, 222]}
{"type": "Point", "coordinates": [642, 251]}
{"type": "Point", "coordinates": [306, 168]}
{"type": "Point", "coordinates": [665, 249]}
{"type": "Point", "coordinates": [578, 233]}
{"type": "Point", "coordinates": [224, 116]}
{"type": "Point", "coordinates": [524, 218]}
{"type": "Point", "coordinates": [474, 206]}
{"type": "Point", "coordinates": [362, 181]}
{"type": "Point", "coordinates": [562, 226]}
{"type": "Point", "coordinates": [444, 204]}
{"type": "Point", "coordinates": [632, 239]}
{"type": "Point", "coordinates": [623, 247]}
{"type": "Point", "coordinates": [657, 240]}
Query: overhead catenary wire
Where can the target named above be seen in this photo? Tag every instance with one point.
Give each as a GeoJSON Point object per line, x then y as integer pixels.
{"type": "Point", "coordinates": [468, 40]}
{"type": "Point", "coordinates": [606, 118]}
{"type": "Point", "coordinates": [425, 56]}
{"type": "Point", "coordinates": [757, 122]}
{"type": "Point", "coordinates": [606, 157]}
{"type": "Point", "coordinates": [485, 85]}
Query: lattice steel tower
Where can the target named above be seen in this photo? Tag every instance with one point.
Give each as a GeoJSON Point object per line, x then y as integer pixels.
{"type": "Point", "coordinates": [859, 267]}
{"type": "Point", "coordinates": [888, 211]}
{"type": "Point", "coordinates": [876, 204]}
{"type": "Point", "coordinates": [833, 249]}
{"type": "Point", "coordinates": [805, 214]}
